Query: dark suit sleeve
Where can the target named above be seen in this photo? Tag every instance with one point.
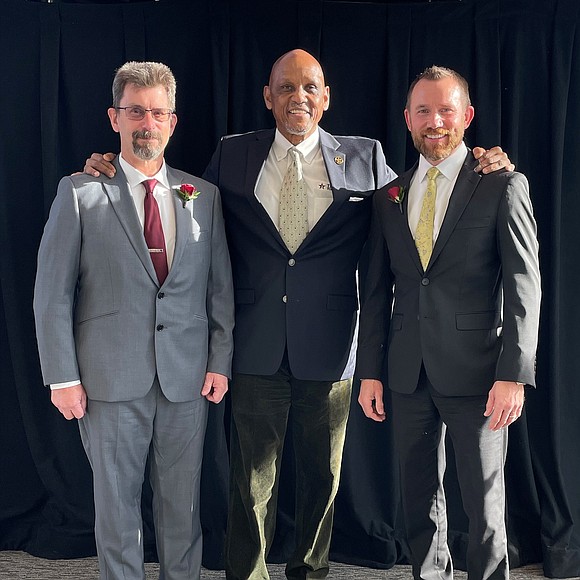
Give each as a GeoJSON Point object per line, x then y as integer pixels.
{"type": "Point", "coordinates": [211, 172]}
{"type": "Point", "coordinates": [518, 247]}
{"type": "Point", "coordinates": [376, 298]}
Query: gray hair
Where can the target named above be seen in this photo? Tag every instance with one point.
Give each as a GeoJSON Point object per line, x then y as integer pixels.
{"type": "Point", "coordinates": [436, 73]}
{"type": "Point", "coordinates": [144, 75]}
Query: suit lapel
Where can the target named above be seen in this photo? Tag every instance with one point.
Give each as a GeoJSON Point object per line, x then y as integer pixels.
{"type": "Point", "coordinates": [401, 219]}
{"type": "Point", "coordinates": [335, 163]}
{"type": "Point", "coordinates": [182, 221]}
{"type": "Point", "coordinates": [467, 182]}
{"type": "Point", "coordinates": [124, 207]}
{"type": "Point", "coordinates": [257, 153]}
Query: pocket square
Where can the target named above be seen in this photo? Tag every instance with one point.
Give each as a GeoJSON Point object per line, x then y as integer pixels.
{"type": "Point", "coordinates": [355, 198]}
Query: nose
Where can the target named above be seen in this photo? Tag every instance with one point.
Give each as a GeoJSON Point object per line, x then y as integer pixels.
{"type": "Point", "coordinates": [148, 120]}
{"type": "Point", "coordinates": [436, 120]}
{"type": "Point", "coordinates": [299, 95]}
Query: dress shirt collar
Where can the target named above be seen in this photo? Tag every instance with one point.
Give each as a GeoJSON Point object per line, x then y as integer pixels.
{"type": "Point", "coordinates": [135, 177]}
{"type": "Point", "coordinates": [308, 148]}
{"type": "Point", "coordinates": [449, 167]}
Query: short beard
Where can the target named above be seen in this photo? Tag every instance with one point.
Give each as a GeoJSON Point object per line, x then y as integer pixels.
{"type": "Point", "coordinates": [147, 152]}
{"type": "Point", "coordinates": [436, 152]}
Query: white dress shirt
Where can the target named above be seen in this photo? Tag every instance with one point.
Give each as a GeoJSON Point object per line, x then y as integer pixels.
{"type": "Point", "coordinates": [269, 182]}
{"type": "Point", "coordinates": [449, 169]}
{"type": "Point", "coordinates": [164, 197]}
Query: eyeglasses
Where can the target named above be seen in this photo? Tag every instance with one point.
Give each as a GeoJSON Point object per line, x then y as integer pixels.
{"type": "Point", "coordinates": [136, 113]}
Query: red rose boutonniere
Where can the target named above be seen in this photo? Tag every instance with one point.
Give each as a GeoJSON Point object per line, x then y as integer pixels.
{"type": "Point", "coordinates": [396, 194]}
{"type": "Point", "coordinates": [186, 192]}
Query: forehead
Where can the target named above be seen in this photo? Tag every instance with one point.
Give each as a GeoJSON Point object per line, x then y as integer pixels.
{"type": "Point", "coordinates": [440, 92]}
{"type": "Point", "coordinates": [136, 95]}
{"type": "Point", "coordinates": [297, 69]}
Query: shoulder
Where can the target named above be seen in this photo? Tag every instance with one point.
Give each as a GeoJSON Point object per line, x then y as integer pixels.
{"type": "Point", "coordinates": [351, 143]}
{"type": "Point", "coordinates": [238, 139]}
{"type": "Point", "coordinates": [178, 177]}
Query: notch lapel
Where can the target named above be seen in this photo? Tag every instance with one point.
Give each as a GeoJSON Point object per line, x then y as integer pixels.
{"type": "Point", "coordinates": [401, 219]}
{"type": "Point", "coordinates": [123, 205]}
{"type": "Point", "coordinates": [465, 186]}
{"type": "Point", "coordinates": [257, 153]}
{"type": "Point", "coordinates": [183, 219]}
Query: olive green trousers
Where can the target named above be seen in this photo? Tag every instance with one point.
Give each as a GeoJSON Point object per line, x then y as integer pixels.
{"type": "Point", "coordinates": [261, 408]}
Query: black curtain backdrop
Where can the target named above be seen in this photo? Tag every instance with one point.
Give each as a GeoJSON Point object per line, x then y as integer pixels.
{"type": "Point", "coordinates": [522, 59]}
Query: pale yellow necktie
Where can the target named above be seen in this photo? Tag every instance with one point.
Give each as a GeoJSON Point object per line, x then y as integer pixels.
{"type": "Point", "coordinates": [293, 209]}
{"type": "Point", "coordinates": [424, 231]}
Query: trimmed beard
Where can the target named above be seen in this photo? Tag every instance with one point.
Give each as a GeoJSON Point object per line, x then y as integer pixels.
{"type": "Point", "coordinates": [434, 151]}
{"type": "Point", "coordinates": [148, 151]}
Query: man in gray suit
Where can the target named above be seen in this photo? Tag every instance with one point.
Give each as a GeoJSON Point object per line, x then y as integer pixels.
{"type": "Point", "coordinates": [452, 300]}
{"type": "Point", "coordinates": [134, 316]}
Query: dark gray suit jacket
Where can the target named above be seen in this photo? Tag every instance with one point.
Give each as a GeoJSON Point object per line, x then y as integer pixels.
{"type": "Point", "coordinates": [472, 317]}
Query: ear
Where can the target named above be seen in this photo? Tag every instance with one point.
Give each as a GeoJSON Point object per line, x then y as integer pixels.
{"type": "Point", "coordinates": [326, 98]}
{"type": "Point", "coordinates": [407, 118]}
{"type": "Point", "coordinates": [267, 97]}
{"type": "Point", "coordinates": [112, 112]}
{"type": "Point", "coordinates": [468, 116]}
{"type": "Point", "coordinates": [172, 123]}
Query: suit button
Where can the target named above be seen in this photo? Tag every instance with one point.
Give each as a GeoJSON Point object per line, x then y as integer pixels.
{"type": "Point", "coordinates": [161, 295]}
{"type": "Point", "coordinates": [284, 299]}
{"type": "Point", "coordinates": [425, 281]}
{"type": "Point", "coordinates": [291, 262]}
{"type": "Point", "coordinates": [160, 327]}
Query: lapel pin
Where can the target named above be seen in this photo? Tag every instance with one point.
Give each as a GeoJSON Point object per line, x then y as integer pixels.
{"type": "Point", "coordinates": [339, 160]}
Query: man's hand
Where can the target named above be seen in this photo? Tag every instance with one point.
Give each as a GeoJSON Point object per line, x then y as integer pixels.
{"type": "Point", "coordinates": [505, 403]}
{"type": "Point", "coordinates": [70, 401]}
{"type": "Point", "coordinates": [214, 387]}
{"type": "Point", "coordinates": [492, 160]}
{"type": "Point", "coordinates": [97, 164]}
{"type": "Point", "coordinates": [370, 399]}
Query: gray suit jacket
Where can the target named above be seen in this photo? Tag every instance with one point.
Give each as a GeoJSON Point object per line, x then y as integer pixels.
{"type": "Point", "coordinates": [100, 314]}
{"type": "Point", "coordinates": [472, 317]}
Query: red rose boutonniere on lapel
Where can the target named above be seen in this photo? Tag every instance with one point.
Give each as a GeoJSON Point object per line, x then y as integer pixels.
{"type": "Point", "coordinates": [396, 194]}
{"type": "Point", "coordinates": [186, 192]}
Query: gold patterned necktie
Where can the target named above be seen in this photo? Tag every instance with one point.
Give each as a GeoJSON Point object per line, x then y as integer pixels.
{"type": "Point", "coordinates": [424, 231]}
{"type": "Point", "coordinates": [293, 208]}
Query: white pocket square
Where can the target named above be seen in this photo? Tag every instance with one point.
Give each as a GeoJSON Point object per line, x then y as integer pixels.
{"type": "Point", "coordinates": [354, 198]}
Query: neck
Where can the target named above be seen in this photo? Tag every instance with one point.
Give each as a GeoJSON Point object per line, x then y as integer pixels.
{"type": "Point", "coordinates": [148, 168]}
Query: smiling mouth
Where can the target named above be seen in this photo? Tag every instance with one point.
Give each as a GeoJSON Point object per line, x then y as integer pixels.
{"type": "Point", "coordinates": [299, 112]}
{"type": "Point", "coordinates": [435, 136]}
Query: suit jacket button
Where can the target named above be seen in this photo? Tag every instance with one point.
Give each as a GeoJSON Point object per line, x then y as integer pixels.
{"type": "Point", "coordinates": [291, 262]}
{"type": "Point", "coordinates": [161, 295]}
{"type": "Point", "coordinates": [284, 299]}
{"type": "Point", "coordinates": [160, 327]}
{"type": "Point", "coordinates": [425, 281]}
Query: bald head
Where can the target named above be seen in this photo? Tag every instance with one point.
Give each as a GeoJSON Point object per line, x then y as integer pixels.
{"type": "Point", "coordinates": [296, 94]}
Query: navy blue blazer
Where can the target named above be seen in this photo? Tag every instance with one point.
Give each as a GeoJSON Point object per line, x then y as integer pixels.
{"type": "Point", "coordinates": [304, 303]}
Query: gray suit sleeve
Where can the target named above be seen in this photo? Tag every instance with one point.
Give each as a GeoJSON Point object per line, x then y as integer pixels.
{"type": "Point", "coordinates": [55, 287]}
{"type": "Point", "coordinates": [220, 297]}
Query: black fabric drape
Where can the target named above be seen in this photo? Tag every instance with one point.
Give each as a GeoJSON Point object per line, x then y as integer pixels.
{"type": "Point", "coordinates": [522, 59]}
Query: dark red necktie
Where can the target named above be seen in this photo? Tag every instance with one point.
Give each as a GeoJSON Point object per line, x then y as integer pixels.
{"type": "Point", "coordinates": [153, 231]}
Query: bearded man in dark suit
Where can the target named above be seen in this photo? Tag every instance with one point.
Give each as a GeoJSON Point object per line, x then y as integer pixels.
{"type": "Point", "coordinates": [452, 301]}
